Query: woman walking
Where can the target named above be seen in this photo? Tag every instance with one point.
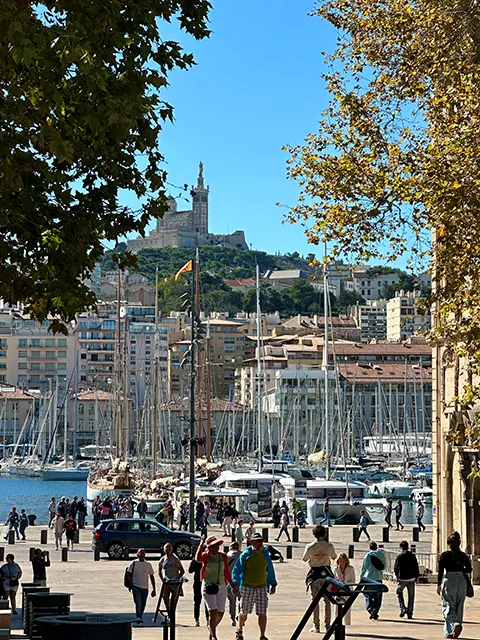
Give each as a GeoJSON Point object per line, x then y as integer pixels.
{"type": "Point", "coordinates": [398, 515]}
{"type": "Point", "coordinates": [11, 574]}
{"type": "Point", "coordinates": [70, 528]}
{"type": "Point", "coordinates": [454, 570]}
{"type": "Point", "coordinates": [344, 572]}
{"type": "Point", "coordinates": [215, 576]}
{"type": "Point", "coordinates": [284, 522]}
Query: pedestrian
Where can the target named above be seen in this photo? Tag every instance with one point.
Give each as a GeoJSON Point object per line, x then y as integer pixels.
{"type": "Point", "coordinates": [249, 531]}
{"type": "Point", "coordinates": [12, 573]}
{"type": "Point", "coordinates": [454, 568]}
{"type": "Point", "coordinates": [406, 572]}
{"type": "Point", "coordinates": [398, 514]}
{"type": "Point", "coordinates": [23, 523]}
{"type": "Point", "coordinates": [129, 508]}
{"type": "Point", "coordinates": [344, 572]}
{"type": "Point", "coordinates": [40, 562]}
{"type": "Point", "coordinates": [284, 522]}
{"type": "Point", "coordinates": [58, 526]}
{"type": "Point", "coordinates": [183, 517]}
{"type": "Point", "coordinates": [318, 554]}
{"type": "Point", "coordinates": [208, 511]}
{"type": "Point", "coordinates": [239, 533]}
{"type": "Point", "coordinates": [227, 521]}
{"type": "Point", "coordinates": [137, 574]}
{"type": "Point", "coordinates": [232, 595]}
{"type": "Point", "coordinates": [275, 554]}
{"type": "Point", "coordinates": [199, 514]}
{"type": "Point", "coordinates": [62, 507]}
{"type": "Point", "coordinates": [196, 568]}
{"type": "Point", "coordinates": [82, 513]}
{"type": "Point", "coordinates": [362, 525]}
{"type": "Point", "coordinates": [52, 510]}
{"type": "Point", "coordinates": [388, 512]}
{"type": "Point", "coordinates": [12, 522]}
{"type": "Point", "coordinates": [73, 507]}
{"type": "Point", "coordinates": [254, 574]}
{"type": "Point", "coordinates": [326, 513]}
{"type": "Point", "coordinates": [276, 514]}
{"type": "Point", "coordinates": [215, 577]}
{"type": "Point", "coordinates": [220, 513]}
{"type": "Point", "coordinates": [70, 527]}
{"type": "Point", "coordinates": [420, 514]}
{"type": "Point", "coordinates": [170, 568]}
{"type": "Point", "coordinates": [372, 567]}
{"type": "Point", "coordinates": [170, 513]}
{"type": "Point", "coordinates": [296, 508]}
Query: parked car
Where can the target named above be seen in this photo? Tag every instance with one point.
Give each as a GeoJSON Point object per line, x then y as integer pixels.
{"type": "Point", "coordinates": [113, 536]}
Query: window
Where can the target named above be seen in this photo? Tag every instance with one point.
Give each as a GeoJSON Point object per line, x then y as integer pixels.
{"type": "Point", "coordinates": [22, 342]}
{"type": "Point", "coordinates": [83, 356]}
{"type": "Point", "coordinates": [91, 424]}
{"type": "Point", "coordinates": [22, 365]}
{"type": "Point", "coordinates": [62, 342]}
{"type": "Point", "coordinates": [22, 354]}
{"type": "Point", "coordinates": [50, 342]}
{"type": "Point", "coordinates": [35, 366]}
{"type": "Point", "coordinates": [3, 354]}
{"type": "Point", "coordinates": [35, 354]}
{"type": "Point", "coordinates": [36, 342]}
{"type": "Point", "coordinates": [91, 409]}
{"type": "Point", "coordinates": [81, 409]}
{"type": "Point", "coordinates": [49, 366]}
{"type": "Point", "coordinates": [61, 366]}
{"type": "Point", "coordinates": [62, 354]}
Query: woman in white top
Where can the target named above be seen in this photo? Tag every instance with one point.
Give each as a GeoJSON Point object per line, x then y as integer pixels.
{"type": "Point", "coordinates": [344, 572]}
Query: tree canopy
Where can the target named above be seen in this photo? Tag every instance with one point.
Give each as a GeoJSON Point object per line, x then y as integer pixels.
{"type": "Point", "coordinates": [80, 115]}
{"type": "Point", "coordinates": [396, 154]}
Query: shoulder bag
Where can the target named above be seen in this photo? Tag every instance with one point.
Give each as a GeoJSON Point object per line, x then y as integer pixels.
{"type": "Point", "coordinates": [213, 588]}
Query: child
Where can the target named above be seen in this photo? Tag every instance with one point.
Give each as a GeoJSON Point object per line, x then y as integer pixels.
{"type": "Point", "coordinates": [250, 531]}
{"type": "Point", "coordinates": [239, 534]}
{"type": "Point", "coordinates": [363, 524]}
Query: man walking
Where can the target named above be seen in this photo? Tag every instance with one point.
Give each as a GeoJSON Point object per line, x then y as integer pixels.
{"type": "Point", "coordinates": [326, 513]}
{"type": "Point", "coordinates": [362, 525]}
{"type": "Point", "coordinates": [40, 562]}
{"type": "Point", "coordinates": [58, 526]}
{"type": "Point", "coordinates": [12, 522]}
{"type": "Point", "coordinates": [142, 508]}
{"type": "Point", "coordinates": [283, 525]}
{"type": "Point", "coordinates": [372, 567]}
{"type": "Point", "coordinates": [253, 572]}
{"type": "Point", "coordinates": [398, 515]}
{"type": "Point", "coordinates": [420, 514]}
{"type": "Point", "coordinates": [406, 571]}
{"type": "Point", "coordinates": [388, 512]}
{"type": "Point", "coordinates": [318, 555]}
{"type": "Point", "coordinates": [227, 520]}
{"type": "Point", "coordinates": [138, 573]}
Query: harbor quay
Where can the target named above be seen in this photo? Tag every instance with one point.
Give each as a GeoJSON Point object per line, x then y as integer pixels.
{"type": "Point", "coordinates": [98, 587]}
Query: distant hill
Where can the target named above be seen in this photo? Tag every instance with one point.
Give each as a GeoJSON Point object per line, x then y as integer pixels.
{"type": "Point", "coordinates": [225, 262]}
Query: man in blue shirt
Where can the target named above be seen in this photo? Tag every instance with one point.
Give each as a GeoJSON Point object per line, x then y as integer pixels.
{"type": "Point", "coordinates": [254, 574]}
{"type": "Point", "coordinates": [372, 567]}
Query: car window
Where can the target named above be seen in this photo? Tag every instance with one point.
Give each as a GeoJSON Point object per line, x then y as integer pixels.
{"type": "Point", "coordinates": [142, 526]}
{"type": "Point", "coordinates": [120, 525]}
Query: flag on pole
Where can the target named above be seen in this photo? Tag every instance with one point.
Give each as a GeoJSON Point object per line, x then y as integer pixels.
{"type": "Point", "coordinates": [185, 269]}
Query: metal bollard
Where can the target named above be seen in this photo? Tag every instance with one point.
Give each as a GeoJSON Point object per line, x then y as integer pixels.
{"type": "Point", "coordinates": [289, 553]}
{"type": "Point", "coordinates": [2, 554]}
{"type": "Point", "coordinates": [416, 534]}
{"type": "Point", "coordinates": [265, 534]}
{"type": "Point", "coordinates": [386, 534]}
{"type": "Point", "coordinates": [76, 536]}
{"type": "Point", "coordinates": [356, 534]}
{"type": "Point", "coordinates": [31, 553]}
{"type": "Point", "coordinates": [11, 536]}
{"type": "Point", "coordinates": [327, 534]}
{"type": "Point", "coordinates": [96, 554]}
{"type": "Point", "coordinates": [126, 553]}
{"type": "Point", "coordinates": [294, 534]}
{"type": "Point", "coordinates": [43, 536]}
{"type": "Point", "coordinates": [351, 551]}
{"type": "Point", "coordinates": [64, 554]}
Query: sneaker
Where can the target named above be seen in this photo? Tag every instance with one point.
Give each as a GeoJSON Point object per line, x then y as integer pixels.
{"type": "Point", "coordinates": [234, 623]}
{"type": "Point", "coordinates": [197, 623]}
{"type": "Point", "coordinates": [457, 630]}
{"type": "Point", "coordinates": [315, 630]}
{"type": "Point", "coordinates": [14, 612]}
{"type": "Point", "coordinates": [263, 638]}
{"type": "Point", "coordinates": [403, 614]}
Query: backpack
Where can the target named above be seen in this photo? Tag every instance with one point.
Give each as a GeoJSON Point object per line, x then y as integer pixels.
{"type": "Point", "coordinates": [126, 582]}
{"type": "Point", "coordinates": [376, 562]}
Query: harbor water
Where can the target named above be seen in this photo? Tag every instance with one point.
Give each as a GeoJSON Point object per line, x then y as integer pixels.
{"type": "Point", "coordinates": [34, 494]}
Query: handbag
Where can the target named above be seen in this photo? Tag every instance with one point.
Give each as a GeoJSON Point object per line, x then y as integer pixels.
{"type": "Point", "coordinates": [470, 592]}
{"type": "Point", "coordinates": [212, 588]}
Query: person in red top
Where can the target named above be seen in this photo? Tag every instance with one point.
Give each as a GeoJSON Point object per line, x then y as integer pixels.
{"type": "Point", "coordinates": [215, 575]}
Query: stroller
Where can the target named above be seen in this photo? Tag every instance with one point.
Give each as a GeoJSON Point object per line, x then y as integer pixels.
{"type": "Point", "coordinates": [301, 520]}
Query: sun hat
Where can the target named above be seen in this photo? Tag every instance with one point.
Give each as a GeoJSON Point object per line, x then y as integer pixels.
{"type": "Point", "coordinates": [212, 541]}
{"type": "Point", "coordinates": [257, 537]}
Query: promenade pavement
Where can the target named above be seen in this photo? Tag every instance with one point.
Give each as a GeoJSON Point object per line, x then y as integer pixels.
{"type": "Point", "coordinates": [98, 587]}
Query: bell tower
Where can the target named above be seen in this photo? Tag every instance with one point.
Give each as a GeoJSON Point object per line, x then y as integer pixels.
{"type": "Point", "coordinates": [200, 204]}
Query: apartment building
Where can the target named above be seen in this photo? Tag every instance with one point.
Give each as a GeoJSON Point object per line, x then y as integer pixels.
{"type": "Point", "coordinates": [16, 405]}
{"type": "Point", "coordinates": [404, 318]}
{"type": "Point", "coordinates": [370, 288]}
{"type": "Point", "coordinates": [371, 319]}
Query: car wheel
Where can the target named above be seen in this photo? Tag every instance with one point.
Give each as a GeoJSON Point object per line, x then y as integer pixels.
{"type": "Point", "coordinates": [115, 551]}
{"type": "Point", "coordinates": [183, 550]}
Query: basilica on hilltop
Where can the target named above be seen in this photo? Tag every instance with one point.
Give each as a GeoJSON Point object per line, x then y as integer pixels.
{"type": "Point", "coordinates": [187, 228]}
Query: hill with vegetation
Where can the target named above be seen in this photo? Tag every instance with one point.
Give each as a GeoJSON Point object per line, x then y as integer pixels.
{"type": "Point", "coordinates": [218, 264]}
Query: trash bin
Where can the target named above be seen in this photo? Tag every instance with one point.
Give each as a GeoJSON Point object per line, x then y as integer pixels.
{"type": "Point", "coordinates": [45, 604]}
{"type": "Point", "coordinates": [31, 520]}
{"type": "Point", "coordinates": [87, 626]}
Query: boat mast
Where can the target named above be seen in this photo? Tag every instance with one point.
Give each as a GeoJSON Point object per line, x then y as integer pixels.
{"type": "Point", "coordinates": [325, 359]}
{"type": "Point", "coordinates": [259, 373]}
{"type": "Point", "coordinates": [155, 385]}
{"type": "Point", "coordinates": [208, 395]}
{"type": "Point", "coordinates": [118, 420]}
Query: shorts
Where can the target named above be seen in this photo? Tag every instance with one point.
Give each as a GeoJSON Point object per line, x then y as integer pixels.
{"type": "Point", "coordinates": [257, 596]}
{"type": "Point", "coordinates": [9, 589]}
{"type": "Point", "coordinates": [215, 601]}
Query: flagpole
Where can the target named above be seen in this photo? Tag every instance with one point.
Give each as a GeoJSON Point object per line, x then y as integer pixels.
{"type": "Point", "coordinates": [191, 519]}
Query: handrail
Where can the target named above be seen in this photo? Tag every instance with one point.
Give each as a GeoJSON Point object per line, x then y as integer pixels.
{"type": "Point", "coordinates": [366, 585]}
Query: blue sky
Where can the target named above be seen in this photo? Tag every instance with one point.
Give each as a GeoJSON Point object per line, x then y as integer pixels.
{"type": "Point", "coordinates": [256, 87]}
